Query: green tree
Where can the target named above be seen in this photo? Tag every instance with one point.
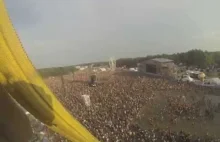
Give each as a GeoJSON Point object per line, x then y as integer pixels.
{"type": "Point", "coordinates": [209, 59]}
{"type": "Point", "coordinates": [216, 57]}
{"type": "Point", "coordinates": [196, 58]}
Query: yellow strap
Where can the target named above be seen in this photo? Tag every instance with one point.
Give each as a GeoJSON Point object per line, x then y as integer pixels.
{"type": "Point", "coordinates": [25, 85]}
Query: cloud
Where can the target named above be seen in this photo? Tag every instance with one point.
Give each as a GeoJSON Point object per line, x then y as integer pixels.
{"type": "Point", "coordinates": [210, 35]}
{"type": "Point", "coordinates": [22, 13]}
{"type": "Point", "coordinates": [56, 32]}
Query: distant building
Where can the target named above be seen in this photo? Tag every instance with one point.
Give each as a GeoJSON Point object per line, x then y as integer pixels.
{"type": "Point", "coordinates": [81, 68]}
{"type": "Point", "coordinates": [103, 69]}
{"type": "Point", "coordinates": [160, 66]}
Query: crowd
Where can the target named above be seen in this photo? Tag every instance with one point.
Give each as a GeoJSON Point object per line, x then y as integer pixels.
{"type": "Point", "coordinates": [120, 105]}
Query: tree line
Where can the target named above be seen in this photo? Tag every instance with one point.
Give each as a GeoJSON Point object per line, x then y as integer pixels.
{"type": "Point", "coordinates": [56, 71]}
{"type": "Point", "coordinates": [195, 57]}
{"type": "Point", "coordinates": [198, 58]}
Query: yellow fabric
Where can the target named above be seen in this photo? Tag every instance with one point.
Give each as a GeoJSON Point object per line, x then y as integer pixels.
{"type": "Point", "coordinates": [21, 80]}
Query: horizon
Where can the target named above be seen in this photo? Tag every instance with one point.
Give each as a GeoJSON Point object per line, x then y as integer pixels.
{"type": "Point", "coordinates": [80, 64]}
{"type": "Point", "coordinates": [59, 33]}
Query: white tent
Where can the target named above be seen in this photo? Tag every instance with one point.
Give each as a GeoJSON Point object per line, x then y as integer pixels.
{"type": "Point", "coordinates": [213, 81]}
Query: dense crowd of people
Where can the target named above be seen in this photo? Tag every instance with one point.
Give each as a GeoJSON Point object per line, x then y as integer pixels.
{"type": "Point", "coordinates": [131, 109]}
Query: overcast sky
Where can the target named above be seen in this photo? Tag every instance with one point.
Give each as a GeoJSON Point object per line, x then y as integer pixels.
{"type": "Point", "coordinates": [67, 32]}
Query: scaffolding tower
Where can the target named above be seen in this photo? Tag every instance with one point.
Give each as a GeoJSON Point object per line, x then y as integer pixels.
{"type": "Point", "coordinates": [112, 64]}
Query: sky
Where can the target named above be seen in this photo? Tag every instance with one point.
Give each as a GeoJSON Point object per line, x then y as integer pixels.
{"type": "Point", "coordinates": [68, 32]}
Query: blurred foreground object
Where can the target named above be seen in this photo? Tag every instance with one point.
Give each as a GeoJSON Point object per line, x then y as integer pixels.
{"type": "Point", "coordinates": [14, 124]}
{"type": "Point", "coordinates": [22, 82]}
